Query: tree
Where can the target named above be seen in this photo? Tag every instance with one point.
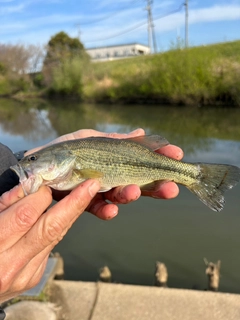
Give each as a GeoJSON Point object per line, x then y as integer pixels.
{"type": "Point", "coordinates": [15, 58]}
{"type": "Point", "coordinates": [61, 48]}
{"type": "Point", "coordinates": [21, 59]}
{"type": "Point", "coordinates": [16, 63]}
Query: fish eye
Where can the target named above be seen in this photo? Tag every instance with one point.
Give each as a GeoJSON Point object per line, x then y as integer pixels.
{"type": "Point", "coordinates": [33, 157]}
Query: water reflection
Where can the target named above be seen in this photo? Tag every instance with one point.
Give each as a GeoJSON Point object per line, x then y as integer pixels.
{"type": "Point", "coordinates": [179, 232]}
{"type": "Point", "coordinates": [193, 129]}
{"type": "Point", "coordinates": [23, 125]}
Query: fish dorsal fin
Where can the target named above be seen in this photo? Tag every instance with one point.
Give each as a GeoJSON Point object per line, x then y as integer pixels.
{"type": "Point", "coordinates": [152, 142]}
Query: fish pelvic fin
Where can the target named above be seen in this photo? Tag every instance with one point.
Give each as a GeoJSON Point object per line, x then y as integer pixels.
{"type": "Point", "coordinates": [214, 180]}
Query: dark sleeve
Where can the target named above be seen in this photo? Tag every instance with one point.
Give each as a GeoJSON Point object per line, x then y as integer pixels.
{"type": "Point", "coordinates": [8, 178]}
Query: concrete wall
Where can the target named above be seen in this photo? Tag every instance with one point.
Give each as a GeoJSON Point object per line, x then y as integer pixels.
{"type": "Point", "coordinates": [117, 52]}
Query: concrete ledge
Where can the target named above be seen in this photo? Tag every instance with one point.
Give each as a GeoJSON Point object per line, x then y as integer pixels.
{"type": "Point", "coordinates": [29, 310]}
{"type": "Point", "coordinates": [76, 300]}
{"type": "Point", "coordinates": [98, 301]}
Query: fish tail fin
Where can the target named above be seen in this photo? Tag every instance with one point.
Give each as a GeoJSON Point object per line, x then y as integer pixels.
{"type": "Point", "coordinates": [213, 181]}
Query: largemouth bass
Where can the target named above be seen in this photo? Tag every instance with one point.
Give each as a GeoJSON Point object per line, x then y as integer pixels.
{"type": "Point", "coordinates": [116, 162]}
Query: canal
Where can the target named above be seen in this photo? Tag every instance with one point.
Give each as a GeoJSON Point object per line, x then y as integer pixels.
{"type": "Point", "coordinates": [179, 232]}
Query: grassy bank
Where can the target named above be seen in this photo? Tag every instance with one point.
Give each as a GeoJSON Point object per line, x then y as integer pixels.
{"type": "Point", "coordinates": [207, 75]}
{"type": "Point", "coordinates": [200, 75]}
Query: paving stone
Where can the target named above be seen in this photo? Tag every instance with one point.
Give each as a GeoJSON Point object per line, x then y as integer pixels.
{"type": "Point", "coordinates": [31, 310]}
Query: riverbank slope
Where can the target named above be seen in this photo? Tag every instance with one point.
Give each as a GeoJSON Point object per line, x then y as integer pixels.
{"type": "Point", "coordinates": [206, 75]}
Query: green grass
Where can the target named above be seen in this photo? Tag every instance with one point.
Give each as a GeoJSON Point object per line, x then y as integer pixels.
{"type": "Point", "coordinates": [199, 75]}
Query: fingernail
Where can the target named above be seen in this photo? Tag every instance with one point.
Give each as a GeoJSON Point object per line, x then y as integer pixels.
{"type": "Point", "coordinates": [133, 131]}
{"type": "Point", "coordinates": [93, 188]}
{"type": "Point", "coordinates": [137, 131]}
{"type": "Point", "coordinates": [113, 214]}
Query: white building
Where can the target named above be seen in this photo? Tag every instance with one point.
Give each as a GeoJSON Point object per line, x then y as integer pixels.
{"type": "Point", "coordinates": [117, 52]}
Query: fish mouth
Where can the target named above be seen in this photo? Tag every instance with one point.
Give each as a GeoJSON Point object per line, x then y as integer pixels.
{"type": "Point", "coordinates": [23, 177]}
{"type": "Point", "coordinates": [22, 174]}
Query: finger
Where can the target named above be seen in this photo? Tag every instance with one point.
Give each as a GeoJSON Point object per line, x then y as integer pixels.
{"type": "Point", "coordinates": [171, 151]}
{"type": "Point", "coordinates": [19, 278]}
{"type": "Point", "coordinates": [47, 231]}
{"type": "Point", "coordinates": [95, 133]}
{"type": "Point", "coordinates": [54, 224]}
{"type": "Point", "coordinates": [103, 210]}
{"type": "Point", "coordinates": [37, 275]}
{"type": "Point", "coordinates": [134, 133]}
{"type": "Point", "coordinates": [32, 273]}
{"type": "Point", "coordinates": [164, 190]}
{"type": "Point", "coordinates": [19, 218]}
{"type": "Point", "coordinates": [10, 197]}
{"type": "Point", "coordinates": [123, 194]}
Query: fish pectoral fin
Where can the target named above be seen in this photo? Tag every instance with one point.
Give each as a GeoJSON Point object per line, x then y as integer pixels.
{"type": "Point", "coordinates": [152, 142]}
{"type": "Point", "coordinates": [88, 173]}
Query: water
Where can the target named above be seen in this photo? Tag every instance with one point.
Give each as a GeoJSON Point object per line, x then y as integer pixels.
{"type": "Point", "coordinates": [180, 232]}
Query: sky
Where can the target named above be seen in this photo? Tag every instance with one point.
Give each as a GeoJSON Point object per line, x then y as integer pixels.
{"type": "Point", "coordinates": [110, 22]}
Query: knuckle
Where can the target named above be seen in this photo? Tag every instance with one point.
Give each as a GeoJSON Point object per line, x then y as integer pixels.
{"type": "Point", "coordinates": [53, 232]}
{"type": "Point", "coordinates": [25, 216]}
{"type": "Point", "coordinates": [112, 135]}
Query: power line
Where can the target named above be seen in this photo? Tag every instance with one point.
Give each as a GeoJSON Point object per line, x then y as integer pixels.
{"type": "Point", "coordinates": [108, 16]}
{"type": "Point", "coordinates": [136, 26]}
{"type": "Point", "coordinates": [121, 33]}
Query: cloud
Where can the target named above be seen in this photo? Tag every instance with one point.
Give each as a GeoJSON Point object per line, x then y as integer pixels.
{"type": "Point", "coordinates": [11, 9]}
{"type": "Point", "coordinates": [212, 14]}
{"type": "Point", "coordinates": [216, 13]}
{"type": "Point", "coordinates": [11, 27]}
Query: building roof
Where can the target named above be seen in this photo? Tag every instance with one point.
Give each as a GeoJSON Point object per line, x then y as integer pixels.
{"type": "Point", "coordinates": [119, 45]}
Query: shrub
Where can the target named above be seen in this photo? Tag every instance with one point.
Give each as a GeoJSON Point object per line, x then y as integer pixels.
{"type": "Point", "coordinates": [67, 78]}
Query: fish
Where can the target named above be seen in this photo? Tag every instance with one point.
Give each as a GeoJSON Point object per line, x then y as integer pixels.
{"type": "Point", "coordinates": [120, 162]}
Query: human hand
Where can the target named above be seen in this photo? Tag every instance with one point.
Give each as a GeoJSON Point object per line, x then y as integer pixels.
{"type": "Point", "coordinates": [99, 206]}
{"type": "Point", "coordinates": [28, 236]}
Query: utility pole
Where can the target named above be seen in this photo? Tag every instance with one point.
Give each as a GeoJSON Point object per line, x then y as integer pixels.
{"type": "Point", "coordinates": [186, 23]}
{"type": "Point", "coordinates": [151, 33]}
{"type": "Point", "coordinates": [77, 25]}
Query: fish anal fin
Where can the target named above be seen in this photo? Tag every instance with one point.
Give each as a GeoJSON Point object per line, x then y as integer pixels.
{"type": "Point", "coordinates": [152, 142]}
{"type": "Point", "coordinates": [151, 187]}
